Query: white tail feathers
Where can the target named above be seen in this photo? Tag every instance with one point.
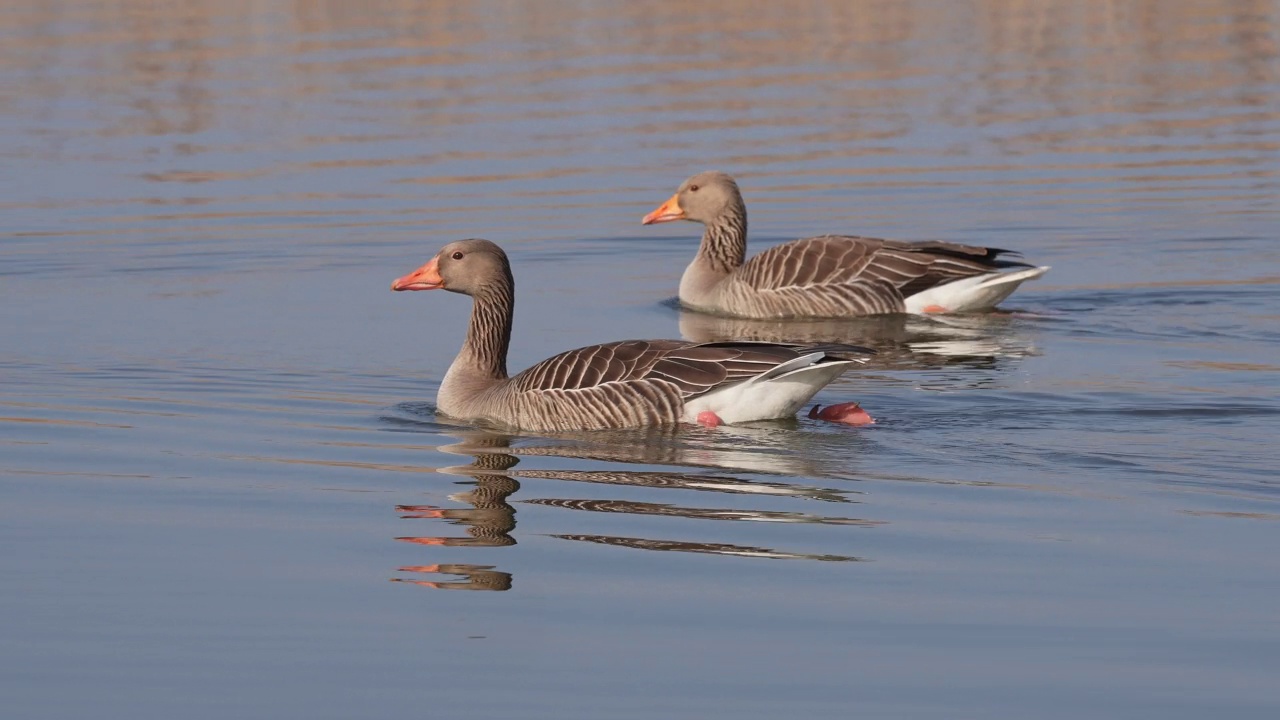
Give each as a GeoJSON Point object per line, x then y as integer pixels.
{"type": "Point", "coordinates": [971, 294]}
{"type": "Point", "coordinates": [775, 394]}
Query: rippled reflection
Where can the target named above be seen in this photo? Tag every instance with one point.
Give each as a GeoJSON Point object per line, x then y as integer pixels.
{"type": "Point", "coordinates": [645, 508]}
{"type": "Point", "coordinates": [703, 547]}
{"type": "Point", "coordinates": [690, 481]}
{"type": "Point", "coordinates": [901, 342]}
{"type": "Point", "coordinates": [769, 447]}
{"type": "Point", "coordinates": [490, 519]}
{"type": "Point", "coordinates": [478, 577]}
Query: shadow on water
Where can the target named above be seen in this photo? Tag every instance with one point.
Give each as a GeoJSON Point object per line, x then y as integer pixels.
{"type": "Point", "coordinates": [490, 519]}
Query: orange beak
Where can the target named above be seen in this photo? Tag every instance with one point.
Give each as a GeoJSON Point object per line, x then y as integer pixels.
{"type": "Point", "coordinates": [666, 212]}
{"type": "Point", "coordinates": [426, 277]}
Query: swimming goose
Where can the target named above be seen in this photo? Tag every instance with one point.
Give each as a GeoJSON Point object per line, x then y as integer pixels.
{"type": "Point", "coordinates": [831, 275]}
{"type": "Point", "coordinates": [621, 384]}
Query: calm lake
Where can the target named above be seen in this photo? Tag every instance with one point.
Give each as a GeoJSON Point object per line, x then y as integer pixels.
{"type": "Point", "coordinates": [225, 492]}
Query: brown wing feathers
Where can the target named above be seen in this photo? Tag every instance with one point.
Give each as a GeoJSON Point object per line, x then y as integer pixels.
{"type": "Point", "coordinates": [834, 274]}
{"type": "Point", "coordinates": [843, 259]}
{"type": "Point", "coordinates": [691, 368]}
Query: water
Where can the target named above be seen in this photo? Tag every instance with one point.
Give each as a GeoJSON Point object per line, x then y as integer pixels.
{"type": "Point", "coordinates": [216, 437]}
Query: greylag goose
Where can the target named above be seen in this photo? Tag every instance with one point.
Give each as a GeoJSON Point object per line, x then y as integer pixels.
{"type": "Point", "coordinates": [831, 275]}
{"type": "Point", "coordinates": [631, 383]}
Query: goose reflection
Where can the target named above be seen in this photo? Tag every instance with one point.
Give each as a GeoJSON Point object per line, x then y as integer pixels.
{"type": "Point", "coordinates": [706, 548]}
{"type": "Point", "coordinates": [488, 521]}
{"type": "Point", "coordinates": [756, 449]}
{"type": "Point", "coordinates": [490, 518]}
{"type": "Point", "coordinates": [902, 342]}
{"type": "Point", "coordinates": [769, 447]}
{"type": "Point", "coordinates": [689, 481]}
{"type": "Point", "coordinates": [477, 577]}
{"type": "Point", "coordinates": [632, 507]}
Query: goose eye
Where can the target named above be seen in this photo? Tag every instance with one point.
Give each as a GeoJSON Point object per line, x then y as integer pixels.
{"type": "Point", "coordinates": [457, 255]}
{"type": "Point", "coordinates": [693, 188]}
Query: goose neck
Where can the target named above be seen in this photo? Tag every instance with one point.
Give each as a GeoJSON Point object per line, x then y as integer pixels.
{"type": "Point", "coordinates": [489, 333]}
{"type": "Point", "coordinates": [724, 242]}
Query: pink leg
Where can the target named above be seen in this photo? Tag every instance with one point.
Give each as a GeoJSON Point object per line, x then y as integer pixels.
{"type": "Point", "coordinates": [850, 413]}
{"type": "Point", "coordinates": [709, 419]}
{"type": "Point", "coordinates": [934, 309]}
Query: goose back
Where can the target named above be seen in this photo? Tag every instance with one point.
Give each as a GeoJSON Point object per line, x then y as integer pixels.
{"type": "Point", "coordinates": [840, 275]}
{"type": "Point", "coordinates": [635, 383]}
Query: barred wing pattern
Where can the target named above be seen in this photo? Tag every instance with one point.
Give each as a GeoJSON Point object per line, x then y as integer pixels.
{"type": "Point", "coordinates": [640, 382]}
{"type": "Point", "coordinates": [840, 275]}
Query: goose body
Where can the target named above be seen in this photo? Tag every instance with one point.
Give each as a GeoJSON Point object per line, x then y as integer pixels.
{"type": "Point", "coordinates": [631, 383]}
{"type": "Point", "coordinates": [831, 275]}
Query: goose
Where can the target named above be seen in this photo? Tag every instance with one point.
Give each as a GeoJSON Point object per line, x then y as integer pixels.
{"type": "Point", "coordinates": [831, 275]}
{"type": "Point", "coordinates": [631, 383]}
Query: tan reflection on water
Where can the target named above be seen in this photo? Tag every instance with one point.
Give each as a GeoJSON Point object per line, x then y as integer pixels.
{"type": "Point", "coordinates": [1145, 70]}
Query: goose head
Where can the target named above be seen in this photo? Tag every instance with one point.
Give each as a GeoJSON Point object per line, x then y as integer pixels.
{"type": "Point", "coordinates": [705, 198]}
{"type": "Point", "coordinates": [469, 267]}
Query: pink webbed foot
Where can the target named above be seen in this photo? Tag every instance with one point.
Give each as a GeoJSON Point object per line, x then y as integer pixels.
{"type": "Point", "coordinates": [850, 413]}
{"type": "Point", "coordinates": [707, 418]}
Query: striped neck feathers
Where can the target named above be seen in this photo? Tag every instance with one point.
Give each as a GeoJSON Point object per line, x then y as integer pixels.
{"type": "Point", "coordinates": [484, 352]}
{"type": "Point", "coordinates": [723, 250]}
